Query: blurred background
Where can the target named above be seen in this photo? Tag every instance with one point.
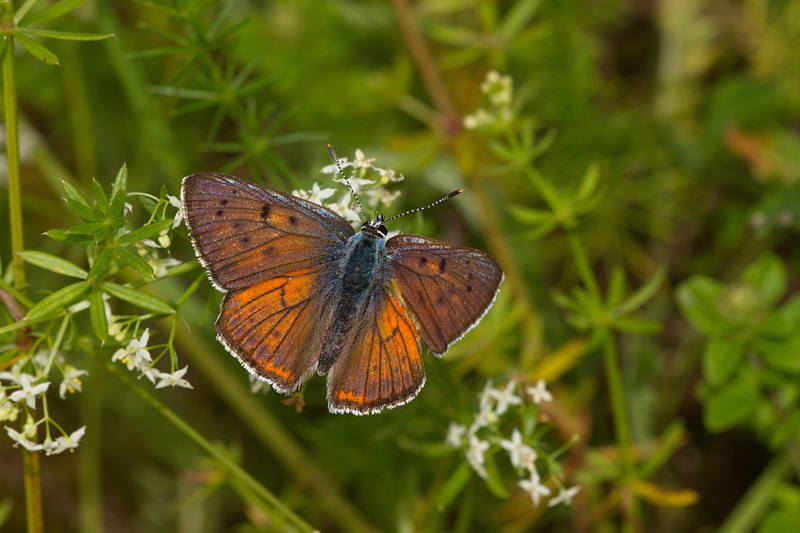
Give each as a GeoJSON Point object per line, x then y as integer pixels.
{"type": "Point", "coordinates": [678, 119]}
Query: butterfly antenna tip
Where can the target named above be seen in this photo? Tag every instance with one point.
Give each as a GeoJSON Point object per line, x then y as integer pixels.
{"type": "Point", "coordinates": [440, 200]}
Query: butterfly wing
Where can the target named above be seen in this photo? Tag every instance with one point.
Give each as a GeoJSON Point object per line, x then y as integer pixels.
{"type": "Point", "coordinates": [276, 256]}
{"type": "Point", "coordinates": [272, 327]}
{"type": "Point", "coordinates": [447, 287]}
{"type": "Point", "coordinates": [244, 233]}
{"type": "Point", "coordinates": [382, 365]}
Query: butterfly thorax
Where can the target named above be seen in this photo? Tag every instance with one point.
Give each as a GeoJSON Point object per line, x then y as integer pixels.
{"type": "Point", "coordinates": [362, 272]}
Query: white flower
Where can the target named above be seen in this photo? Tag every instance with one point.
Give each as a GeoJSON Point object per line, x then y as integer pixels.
{"type": "Point", "coordinates": [135, 355]}
{"type": "Point", "coordinates": [63, 443]}
{"type": "Point", "coordinates": [475, 451]}
{"type": "Point", "coordinates": [179, 216]}
{"type": "Point", "coordinates": [160, 265]}
{"type": "Point", "coordinates": [316, 195]}
{"type": "Point", "coordinates": [505, 397]}
{"type": "Point", "coordinates": [362, 161]}
{"type": "Point", "coordinates": [343, 209]}
{"type": "Point", "coordinates": [164, 240]}
{"type": "Point", "coordinates": [539, 393]}
{"type": "Point", "coordinates": [174, 379]}
{"type": "Point", "coordinates": [356, 183]}
{"type": "Point", "coordinates": [564, 496]}
{"type": "Point", "coordinates": [534, 488]}
{"type": "Point", "coordinates": [521, 454]}
{"type": "Point", "coordinates": [454, 434]}
{"type": "Point", "coordinates": [71, 381]}
{"type": "Point", "coordinates": [19, 438]}
{"type": "Point", "coordinates": [8, 409]}
{"type": "Point", "coordinates": [28, 392]}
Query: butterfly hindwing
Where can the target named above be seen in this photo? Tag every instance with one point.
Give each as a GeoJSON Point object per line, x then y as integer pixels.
{"type": "Point", "coordinates": [448, 288]}
{"type": "Point", "coordinates": [381, 366]}
{"type": "Point", "coordinates": [273, 326]}
{"type": "Point", "coordinates": [245, 233]}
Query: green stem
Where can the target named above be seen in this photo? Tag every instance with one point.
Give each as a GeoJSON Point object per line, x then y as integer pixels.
{"type": "Point", "coordinates": [620, 414]}
{"type": "Point", "coordinates": [33, 492]}
{"type": "Point", "coordinates": [751, 509]}
{"type": "Point", "coordinates": [12, 153]}
{"type": "Point", "coordinates": [233, 469]}
{"type": "Point", "coordinates": [582, 264]}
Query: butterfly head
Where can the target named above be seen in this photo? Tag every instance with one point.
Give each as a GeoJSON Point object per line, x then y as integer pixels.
{"type": "Point", "coordinates": [375, 227]}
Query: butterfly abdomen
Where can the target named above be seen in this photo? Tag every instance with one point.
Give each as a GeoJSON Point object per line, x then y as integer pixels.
{"type": "Point", "coordinates": [360, 273]}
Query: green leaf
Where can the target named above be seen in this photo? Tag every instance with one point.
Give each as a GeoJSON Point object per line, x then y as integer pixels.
{"type": "Point", "coordinates": [697, 298]}
{"type": "Point", "coordinates": [72, 238]}
{"type": "Point", "coordinates": [71, 192]}
{"type": "Point", "coordinates": [97, 314]}
{"type": "Point", "coordinates": [768, 276]}
{"type": "Point", "coordinates": [454, 485]}
{"type": "Point", "coordinates": [101, 264]}
{"type": "Point", "coordinates": [780, 520]}
{"type": "Point", "coordinates": [722, 359]}
{"type": "Point", "coordinates": [117, 208]}
{"type": "Point", "coordinates": [146, 232]}
{"type": "Point", "coordinates": [100, 196]}
{"type": "Point", "coordinates": [55, 301]}
{"type": "Point", "coordinates": [53, 263]}
{"type": "Point", "coordinates": [493, 478]}
{"type": "Point", "coordinates": [84, 211]}
{"type": "Point", "coordinates": [36, 49]}
{"type": "Point", "coordinates": [66, 35]}
{"type": "Point", "coordinates": [780, 354]}
{"type": "Point", "coordinates": [732, 404]}
{"type": "Point", "coordinates": [90, 228]}
{"type": "Point", "coordinates": [121, 180]}
{"type": "Point", "coordinates": [644, 294]}
{"type": "Point", "coordinates": [50, 12]}
{"type": "Point", "coordinates": [133, 260]}
{"type": "Point", "coordinates": [636, 325]}
{"type": "Point", "coordinates": [138, 298]}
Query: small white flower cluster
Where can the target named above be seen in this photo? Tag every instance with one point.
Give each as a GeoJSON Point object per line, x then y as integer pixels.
{"type": "Point", "coordinates": [20, 388]}
{"type": "Point", "coordinates": [498, 89]}
{"type": "Point", "coordinates": [148, 248]}
{"type": "Point", "coordinates": [494, 403]}
{"type": "Point", "coordinates": [138, 359]}
{"type": "Point", "coordinates": [371, 191]}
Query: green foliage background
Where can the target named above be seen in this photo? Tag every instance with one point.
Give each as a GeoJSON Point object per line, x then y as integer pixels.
{"type": "Point", "coordinates": [689, 112]}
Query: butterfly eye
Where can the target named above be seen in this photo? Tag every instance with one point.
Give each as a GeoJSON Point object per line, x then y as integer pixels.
{"type": "Point", "coordinates": [374, 227]}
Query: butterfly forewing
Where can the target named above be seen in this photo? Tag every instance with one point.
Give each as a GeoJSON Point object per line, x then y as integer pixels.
{"type": "Point", "coordinates": [245, 233]}
{"type": "Point", "coordinates": [448, 288]}
{"type": "Point", "coordinates": [382, 365]}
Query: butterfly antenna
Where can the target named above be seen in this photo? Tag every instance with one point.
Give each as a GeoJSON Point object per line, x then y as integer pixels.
{"type": "Point", "coordinates": [353, 192]}
{"type": "Point", "coordinates": [440, 200]}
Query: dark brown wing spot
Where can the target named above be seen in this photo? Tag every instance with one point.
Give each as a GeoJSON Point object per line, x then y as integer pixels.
{"type": "Point", "coordinates": [275, 333]}
{"type": "Point", "coordinates": [469, 276]}
{"type": "Point", "coordinates": [245, 240]}
{"type": "Point", "coordinates": [423, 261]}
{"type": "Point", "coordinates": [442, 265]}
{"type": "Point", "coordinates": [392, 335]}
{"type": "Point", "coordinates": [469, 288]}
{"type": "Point", "coordinates": [440, 300]}
{"type": "Point", "coordinates": [265, 210]}
{"type": "Point", "coordinates": [224, 201]}
{"type": "Point", "coordinates": [292, 220]}
{"type": "Point", "coordinates": [219, 212]}
{"type": "Point", "coordinates": [236, 225]}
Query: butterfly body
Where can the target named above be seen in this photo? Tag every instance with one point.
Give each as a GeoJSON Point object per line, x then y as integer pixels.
{"type": "Point", "coordinates": [362, 273]}
{"type": "Point", "coordinates": [306, 292]}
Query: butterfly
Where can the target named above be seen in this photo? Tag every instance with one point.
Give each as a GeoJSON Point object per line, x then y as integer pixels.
{"type": "Point", "coordinates": [305, 292]}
